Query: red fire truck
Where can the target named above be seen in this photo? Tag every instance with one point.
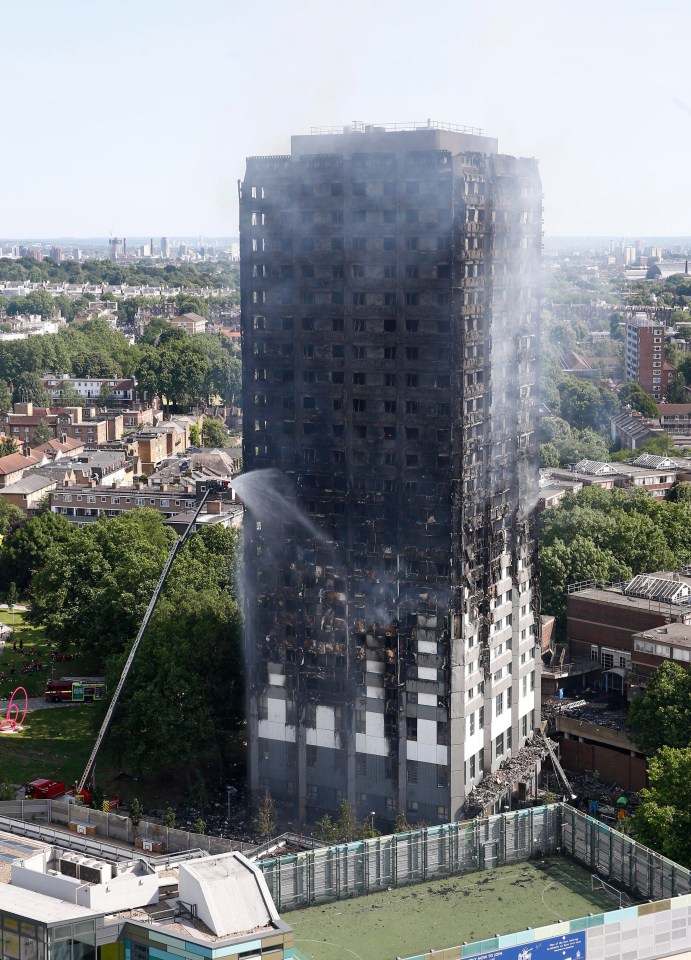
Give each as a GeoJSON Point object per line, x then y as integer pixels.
{"type": "Point", "coordinates": [75, 690]}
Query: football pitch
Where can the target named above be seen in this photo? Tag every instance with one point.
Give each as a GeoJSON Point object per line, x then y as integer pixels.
{"type": "Point", "coordinates": [406, 921]}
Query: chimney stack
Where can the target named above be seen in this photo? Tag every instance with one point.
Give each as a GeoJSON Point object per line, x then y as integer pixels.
{"type": "Point", "coordinates": [26, 449]}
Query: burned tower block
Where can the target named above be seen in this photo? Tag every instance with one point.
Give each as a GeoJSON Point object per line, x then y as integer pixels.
{"type": "Point", "coordinates": [390, 323]}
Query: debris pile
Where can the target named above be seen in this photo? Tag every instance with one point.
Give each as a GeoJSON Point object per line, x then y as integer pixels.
{"type": "Point", "coordinates": [520, 768]}
{"type": "Point", "coordinates": [587, 711]}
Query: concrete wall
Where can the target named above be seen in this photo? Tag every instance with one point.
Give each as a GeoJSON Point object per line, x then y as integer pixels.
{"type": "Point", "coordinates": [59, 886]}
{"type": "Point", "coordinates": [120, 893]}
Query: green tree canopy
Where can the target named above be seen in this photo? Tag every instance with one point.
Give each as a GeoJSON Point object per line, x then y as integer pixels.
{"type": "Point", "coordinates": [186, 684]}
{"type": "Point", "coordinates": [584, 405]}
{"type": "Point", "coordinates": [42, 433]}
{"type": "Point", "coordinates": [7, 446]}
{"type": "Point", "coordinates": [28, 388]}
{"type": "Point", "coordinates": [214, 433]}
{"type": "Point", "coordinates": [609, 535]}
{"type": "Point", "coordinates": [26, 547]}
{"type": "Point", "coordinates": [634, 395]}
{"type": "Point", "coordinates": [11, 518]}
{"type": "Point", "coordinates": [5, 397]}
{"type": "Point", "coordinates": [663, 820]}
{"type": "Point", "coordinates": [97, 583]}
{"type": "Point", "coordinates": [661, 717]}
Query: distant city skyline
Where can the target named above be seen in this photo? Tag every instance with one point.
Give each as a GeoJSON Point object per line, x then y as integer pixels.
{"type": "Point", "coordinates": [137, 118]}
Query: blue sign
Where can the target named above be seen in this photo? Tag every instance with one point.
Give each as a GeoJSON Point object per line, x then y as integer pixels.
{"type": "Point", "coordinates": [570, 946]}
{"type": "Point", "coordinates": [561, 693]}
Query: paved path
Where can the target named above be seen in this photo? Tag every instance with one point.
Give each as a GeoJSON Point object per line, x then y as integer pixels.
{"type": "Point", "coordinates": [35, 703]}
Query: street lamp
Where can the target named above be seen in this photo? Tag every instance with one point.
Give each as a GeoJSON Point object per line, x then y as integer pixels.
{"type": "Point", "coordinates": [372, 815]}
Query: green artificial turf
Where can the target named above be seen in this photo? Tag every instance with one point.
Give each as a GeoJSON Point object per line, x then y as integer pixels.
{"type": "Point", "coordinates": [410, 920]}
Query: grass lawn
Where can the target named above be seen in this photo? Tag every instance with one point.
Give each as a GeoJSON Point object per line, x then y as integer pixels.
{"type": "Point", "coordinates": [34, 650]}
{"type": "Point", "coordinates": [444, 913]}
{"type": "Point", "coordinates": [54, 743]}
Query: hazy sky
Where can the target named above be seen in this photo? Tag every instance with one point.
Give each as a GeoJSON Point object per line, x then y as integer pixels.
{"type": "Point", "coordinates": [136, 115]}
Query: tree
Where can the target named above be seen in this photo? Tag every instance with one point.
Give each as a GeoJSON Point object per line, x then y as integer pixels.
{"type": "Point", "coordinates": [680, 493]}
{"type": "Point", "coordinates": [347, 824]}
{"type": "Point", "coordinates": [634, 395]}
{"type": "Point", "coordinates": [214, 433]}
{"type": "Point", "coordinates": [616, 321]}
{"type": "Point", "coordinates": [563, 563]}
{"type": "Point", "coordinates": [189, 304]}
{"type": "Point", "coordinates": [400, 824]}
{"type": "Point", "coordinates": [38, 301]}
{"type": "Point", "coordinates": [326, 830]}
{"type": "Point", "coordinates": [199, 826]}
{"type": "Point", "coordinates": [169, 818]}
{"type": "Point", "coordinates": [12, 596]}
{"type": "Point", "coordinates": [187, 680]}
{"type": "Point", "coordinates": [553, 429]}
{"type": "Point", "coordinates": [661, 716]}
{"type": "Point", "coordinates": [663, 820]}
{"type": "Point", "coordinates": [195, 436]}
{"type": "Point", "coordinates": [7, 446]}
{"type": "Point", "coordinates": [618, 533]}
{"type": "Point", "coordinates": [28, 388]}
{"type": "Point", "coordinates": [11, 518]}
{"type": "Point", "coordinates": [43, 433]}
{"type": "Point", "coordinates": [136, 812]}
{"type": "Point", "coordinates": [153, 330]}
{"type": "Point", "coordinates": [25, 549]}
{"type": "Point", "coordinates": [92, 591]}
{"type": "Point", "coordinates": [5, 397]}
{"type": "Point", "coordinates": [266, 817]}
{"type": "Point", "coordinates": [69, 396]}
{"type": "Point", "coordinates": [676, 390]}
{"type": "Point", "coordinates": [106, 397]}
{"type": "Point", "coordinates": [584, 405]}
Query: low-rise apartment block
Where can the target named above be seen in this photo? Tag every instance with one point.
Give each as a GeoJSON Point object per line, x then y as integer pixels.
{"type": "Point", "coordinates": [29, 493]}
{"type": "Point", "coordinates": [84, 504]}
{"type": "Point", "coordinates": [15, 465]}
{"type": "Point", "coordinates": [189, 322]}
{"type": "Point", "coordinates": [163, 440]}
{"type": "Point", "coordinates": [121, 390]}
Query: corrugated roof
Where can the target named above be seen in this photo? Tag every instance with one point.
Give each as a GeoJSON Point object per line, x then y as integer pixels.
{"type": "Point", "coordinates": [658, 588]}
{"type": "Point", "coordinates": [653, 462]}
{"type": "Point", "coordinates": [597, 468]}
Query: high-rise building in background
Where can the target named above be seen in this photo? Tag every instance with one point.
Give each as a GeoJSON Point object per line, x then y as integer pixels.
{"type": "Point", "coordinates": [165, 248]}
{"type": "Point", "coordinates": [645, 354]}
{"type": "Point", "coordinates": [390, 317]}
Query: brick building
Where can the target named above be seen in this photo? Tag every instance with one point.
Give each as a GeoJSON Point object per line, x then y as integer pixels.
{"type": "Point", "coordinates": [645, 355]}
{"type": "Point", "coordinates": [601, 622]}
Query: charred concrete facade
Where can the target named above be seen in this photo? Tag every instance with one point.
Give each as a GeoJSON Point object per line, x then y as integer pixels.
{"type": "Point", "coordinates": [390, 326]}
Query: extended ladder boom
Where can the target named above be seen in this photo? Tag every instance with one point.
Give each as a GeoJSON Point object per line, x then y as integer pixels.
{"type": "Point", "coordinates": [135, 646]}
{"type": "Point", "coordinates": [558, 767]}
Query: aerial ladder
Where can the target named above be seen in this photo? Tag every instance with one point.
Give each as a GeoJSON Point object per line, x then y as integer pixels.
{"type": "Point", "coordinates": [558, 769]}
{"type": "Point", "coordinates": [212, 486]}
